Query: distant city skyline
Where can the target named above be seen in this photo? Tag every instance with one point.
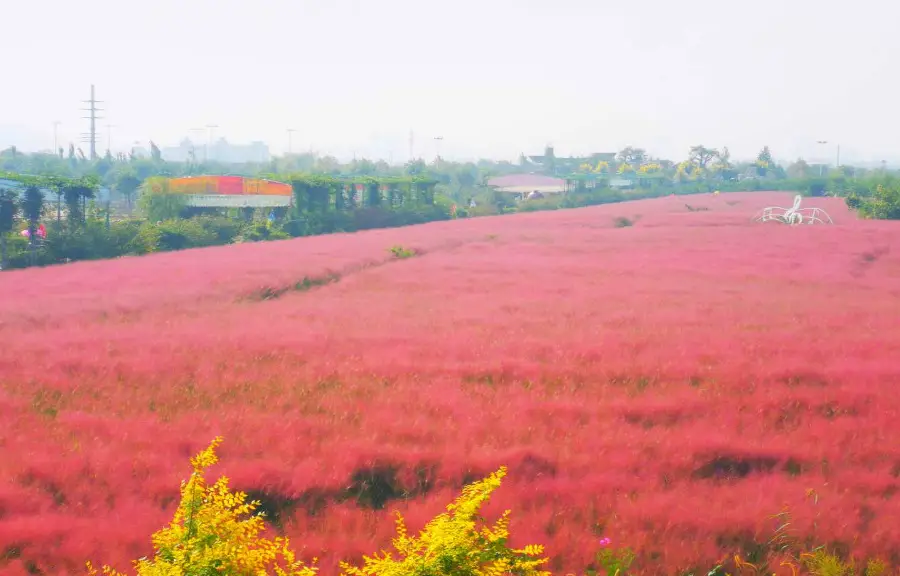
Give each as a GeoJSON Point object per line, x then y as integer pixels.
{"type": "Point", "coordinates": [493, 78]}
{"type": "Point", "coordinates": [394, 148]}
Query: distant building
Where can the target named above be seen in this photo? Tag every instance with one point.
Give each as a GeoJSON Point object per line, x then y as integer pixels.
{"type": "Point", "coordinates": [567, 165]}
{"type": "Point", "coordinates": [525, 185]}
{"type": "Point", "coordinates": [220, 151]}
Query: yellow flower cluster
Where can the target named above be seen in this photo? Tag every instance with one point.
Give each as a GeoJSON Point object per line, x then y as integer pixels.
{"type": "Point", "coordinates": [650, 168]}
{"type": "Point", "coordinates": [454, 544]}
{"type": "Point", "coordinates": [214, 531]}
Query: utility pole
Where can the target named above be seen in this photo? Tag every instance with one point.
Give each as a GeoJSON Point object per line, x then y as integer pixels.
{"type": "Point", "coordinates": [91, 137]}
{"type": "Point", "coordinates": [412, 139]}
{"type": "Point", "coordinates": [290, 132]}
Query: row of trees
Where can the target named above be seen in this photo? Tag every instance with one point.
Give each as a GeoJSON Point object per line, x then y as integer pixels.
{"type": "Point", "coordinates": [332, 196]}
{"type": "Point", "coordinates": [702, 163]}
{"type": "Point", "coordinates": [323, 193]}
{"type": "Point", "coordinates": [78, 228]}
{"type": "Point", "coordinates": [28, 200]}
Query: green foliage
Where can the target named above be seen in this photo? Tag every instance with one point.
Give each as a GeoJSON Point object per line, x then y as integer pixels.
{"type": "Point", "coordinates": [225, 230]}
{"type": "Point", "coordinates": [179, 234]}
{"type": "Point", "coordinates": [75, 193]}
{"type": "Point", "coordinates": [32, 204]}
{"type": "Point", "coordinates": [159, 207]}
{"type": "Point", "coordinates": [126, 182]}
{"type": "Point", "coordinates": [881, 203]}
{"type": "Point", "coordinates": [816, 187]}
{"type": "Point", "coordinates": [611, 561]}
{"type": "Point", "coordinates": [821, 563]}
{"type": "Point", "coordinates": [260, 231]}
{"type": "Point", "coordinates": [400, 252]}
{"type": "Point", "coordinates": [9, 209]}
{"type": "Point", "coordinates": [89, 242]}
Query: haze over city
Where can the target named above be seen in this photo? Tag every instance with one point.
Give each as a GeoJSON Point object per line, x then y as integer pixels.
{"type": "Point", "coordinates": [494, 79]}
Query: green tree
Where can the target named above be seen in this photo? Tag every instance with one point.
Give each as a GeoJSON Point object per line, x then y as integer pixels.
{"type": "Point", "coordinates": [126, 183]}
{"type": "Point", "coordinates": [76, 194]}
{"type": "Point", "coordinates": [160, 207]}
{"type": "Point", "coordinates": [467, 175]}
{"type": "Point", "coordinates": [362, 167]}
{"type": "Point", "coordinates": [327, 165]}
{"type": "Point", "coordinates": [8, 211]}
{"type": "Point", "coordinates": [799, 169]}
{"type": "Point", "coordinates": [32, 208]}
{"type": "Point", "coordinates": [764, 161]}
{"type": "Point", "coordinates": [549, 160]}
{"type": "Point", "coordinates": [632, 155]}
{"type": "Point", "coordinates": [722, 166]}
{"type": "Point", "coordinates": [884, 202]}
{"type": "Point", "coordinates": [416, 167]}
{"type": "Point", "coordinates": [701, 155]}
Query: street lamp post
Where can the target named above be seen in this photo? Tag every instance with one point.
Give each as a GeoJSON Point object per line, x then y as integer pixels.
{"type": "Point", "coordinates": [290, 132]}
{"type": "Point", "coordinates": [438, 140]}
{"type": "Point", "coordinates": [821, 166]}
{"type": "Point", "coordinates": [837, 158]}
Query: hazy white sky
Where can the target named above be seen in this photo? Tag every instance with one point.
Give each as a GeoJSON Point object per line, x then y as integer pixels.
{"type": "Point", "coordinates": [493, 77]}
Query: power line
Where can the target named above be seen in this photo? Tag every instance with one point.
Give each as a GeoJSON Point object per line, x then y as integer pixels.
{"type": "Point", "coordinates": [91, 137]}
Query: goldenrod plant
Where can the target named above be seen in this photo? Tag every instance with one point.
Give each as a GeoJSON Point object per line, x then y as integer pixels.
{"type": "Point", "coordinates": [455, 544]}
{"type": "Point", "coordinates": [215, 531]}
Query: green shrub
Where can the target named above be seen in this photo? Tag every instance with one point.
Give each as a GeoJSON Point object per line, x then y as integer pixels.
{"type": "Point", "coordinates": [183, 234]}
{"type": "Point", "coordinates": [261, 231]}
{"type": "Point", "coordinates": [224, 229]}
{"type": "Point", "coordinates": [400, 252]}
{"type": "Point", "coordinates": [884, 203]}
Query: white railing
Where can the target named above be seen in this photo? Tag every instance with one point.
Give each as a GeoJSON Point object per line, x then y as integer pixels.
{"type": "Point", "coordinates": [794, 215]}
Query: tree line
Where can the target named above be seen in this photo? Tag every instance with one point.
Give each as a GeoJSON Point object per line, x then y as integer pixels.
{"type": "Point", "coordinates": [330, 196]}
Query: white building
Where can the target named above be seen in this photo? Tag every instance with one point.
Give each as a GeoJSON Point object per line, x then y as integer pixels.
{"type": "Point", "coordinates": [220, 151]}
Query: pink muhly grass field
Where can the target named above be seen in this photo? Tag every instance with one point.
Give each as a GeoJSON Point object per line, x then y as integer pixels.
{"type": "Point", "coordinates": [669, 385]}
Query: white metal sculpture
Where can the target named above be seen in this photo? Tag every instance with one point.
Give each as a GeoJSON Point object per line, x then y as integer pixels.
{"type": "Point", "coordinates": [794, 215]}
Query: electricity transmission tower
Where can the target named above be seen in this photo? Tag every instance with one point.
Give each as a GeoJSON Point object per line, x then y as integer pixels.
{"type": "Point", "coordinates": [91, 137]}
